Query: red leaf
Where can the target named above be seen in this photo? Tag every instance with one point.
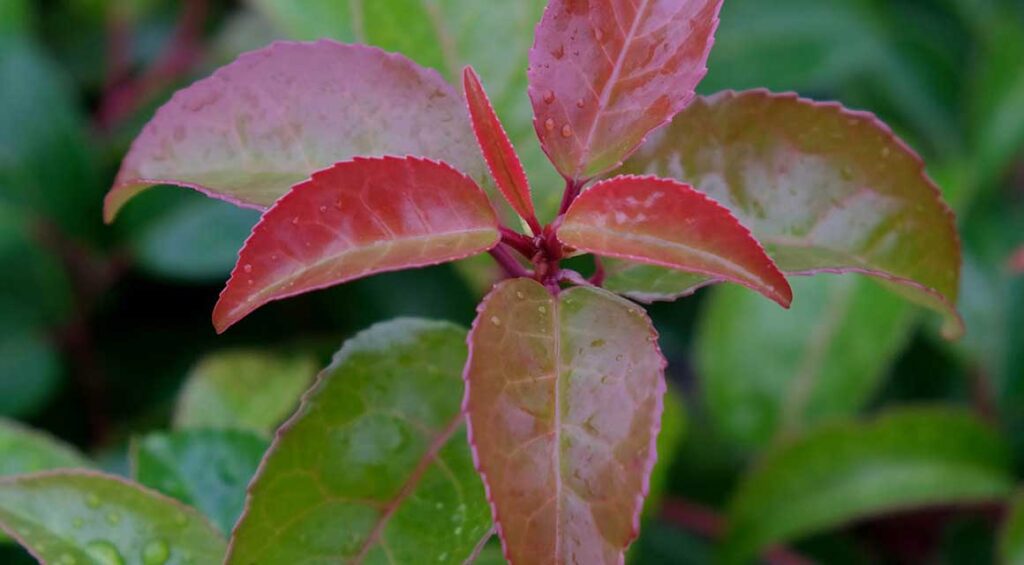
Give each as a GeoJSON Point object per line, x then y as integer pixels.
{"type": "Point", "coordinates": [604, 74]}
{"type": "Point", "coordinates": [501, 157]}
{"type": "Point", "coordinates": [355, 219]}
{"type": "Point", "coordinates": [563, 401]}
{"type": "Point", "coordinates": [667, 223]}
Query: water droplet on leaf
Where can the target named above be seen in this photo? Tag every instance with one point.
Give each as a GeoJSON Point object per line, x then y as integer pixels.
{"type": "Point", "coordinates": [496, 320]}
{"type": "Point", "coordinates": [114, 518]}
{"type": "Point", "coordinates": [549, 97]}
{"type": "Point", "coordinates": [566, 130]}
{"type": "Point", "coordinates": [104, 553]}
{"type": "Point", "coordinates": [247, 268]}
{"type": "Point", "coordinates": [156, 552]}
{"type": "Point", "coordinates": [92, 501]}
{"type": "Point", "coordinates": [549, 124]}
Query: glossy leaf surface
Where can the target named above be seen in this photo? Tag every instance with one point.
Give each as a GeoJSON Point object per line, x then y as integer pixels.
{"type": "Point", "coordinates": [564, 400]}
{"type": "Point", "coordinates": [23, 450]}
{"type": "Point", "coordinates": [206, 469]}
{"type": "Point", "coordinates": [498, 151]}
{"type": "Point", "coordinates": [906, 459]}
{"type": "Point", "coordinates": [828, 355]}
{"type": "Point", "coordinates": [86, 517]}
{"type": "Point", "coordinates": [355, 219]}
{"type": "Point", "coordinates": [375, 466]}
{"type": "Point", "coordinates": [667, 223]}
{"type": "Point", "coordinates": [604, 74]}
{"type": "Point", "coordinates": [825, 189]}
{"type": "Point", "coordinates": [274, 116]}
{"type": "Point", "coordinates": [244, 390]}
{"type": "Point", "coordinates": [1011, 534]}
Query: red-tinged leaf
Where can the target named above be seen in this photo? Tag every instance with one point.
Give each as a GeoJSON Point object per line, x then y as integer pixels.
{"type": "Point", "coordinates": [667, 223]}
{"type": "Point", "coordinates": [603, 74]}
{"type": "Point", "coordinates": [563, 399]}
{"type": "Point", "coordinates": [1017, 261]}
{"type": "Point", "coordinates": [825, 189]}
{"type": "Point", "coordinates": [268, 120]}
{"type": "Point", "coordinates": [354, 219]}
{"type": "Point", "coordinates": [498, 151]}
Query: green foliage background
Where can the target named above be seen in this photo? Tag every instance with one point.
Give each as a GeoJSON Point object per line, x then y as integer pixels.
{"type": "Point", "coordinates": [99, 326]}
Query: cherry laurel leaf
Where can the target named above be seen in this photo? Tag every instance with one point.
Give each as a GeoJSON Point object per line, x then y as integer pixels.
{"type": "Point", "coordinates": [357, 218]}
{"type": "Point", "coordinates": [266, 121]}
{"type": "Point", "coordinates": [604, 74]}
{"type": "Point", "coordinates": [498, 151]}
{"type": "Point", "coordinates": [563, 400]}
{"type": "Point", "coordinates": [667, 223]}
{"type": "Point", "coordinates": [825, 189]}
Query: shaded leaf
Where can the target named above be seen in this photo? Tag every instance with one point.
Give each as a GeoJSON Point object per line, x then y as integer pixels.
{"type": "Point", "coordinates": [30, 373]}
{"type": "Point", "coordinates": [355, 219]}
{"type": "Point", "coordinates": [838, 474]}
{"type": "Point", "coordinates": [87, 517]}
{"type": "Point", "coordinates": [824, 189]}
{"type": "Point", "coordinates": [274, 116]}
{"type": "Point", "coordinates": [1011, 535]}
{"type": "Point", "coordinates": [375, 466]}
{"type": "Point", "coordinates": [244, 390]}
{"type": "Point", "coordinates": [501, 157]}
{"type": "Point", "coordinates": [23, 450]}
{"type": "Point", "coordinates": [206, 469]}
{"type": "Point", "coordinates": [827, 357]}
{"type": "Point", "coordinates": [604, 74]}
{"type": "Point", "coordinates": [564, 399]}
{"type": "Point", "coordinates": [667, 223]}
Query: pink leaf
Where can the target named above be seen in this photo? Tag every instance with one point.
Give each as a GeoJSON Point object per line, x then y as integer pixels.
{"type": "Point", "coordinates": [268, 120]}
{"type": "Point", "coordinates": [563, 399]}
{"type": "Point", "coordinates": [501, 157]}
{"type": "Point", "coordinates": [355, 219]}
{"type": "Point", "coordinates": [603, 74]}
{"type": "Point", "coordinates": [667, 223]}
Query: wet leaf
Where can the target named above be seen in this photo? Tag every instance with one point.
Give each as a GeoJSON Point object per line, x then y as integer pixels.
{"type": "Point", "coordinates": [23, 450]}
{"type": "Point", "coordinates": [375, 466]}
{"type": "Point", "coordinates": [355, 219]}
{"type": "Point", "coordinates": [604, 74]}
{"type": "Point", "coordinates": [564, 400]}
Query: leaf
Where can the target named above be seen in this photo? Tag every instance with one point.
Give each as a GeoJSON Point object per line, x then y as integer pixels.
{"type": "Point", "coordinates": [206, 469]}
{"type": "Point", "coordinates": [828, 355]}
{"type": "Point", "coordinates": [838, 474]}
{"type": "Point", "coordinates": [87, 517]}
{"type": "Point", "coordinates": [355, 219]}
{"type": "Point", "coordinates": [501, 157]}
{"type": "Point", "coordinates": [825, 189]}
{"type": "Point", "coordinates": [272, 117]}
{"type": "Point", "coordinates": [30, 373]}
{"type": "Point", "coordinates": [1011, 534]}
{"type": "Point", "coordinates": [667, 223]}
{"type": "Point", "coordinates": [243, 390]}
{"type": "Point", "coordinates": [23, 450]}
{"type": "Point", "coordinates": [374, 467]}
{"type": "Point", "coordinates": [673, 429]}
{"type": "Point", "coordinates": [604, 74]}
{"type": "Point", "coordinates": [564, 399]}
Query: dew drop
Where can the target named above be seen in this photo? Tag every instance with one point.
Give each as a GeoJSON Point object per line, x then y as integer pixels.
{"type": "Point", "coordinates": [443, 556]}
{"type": "Point", "coordinates": [549, 97]}
{"type": "Point", "coordinates": [92, 501]}
{"type": "Point", "coordinates": [247, 268]}
{"type": "Point", "coordinates": [180, 519]}
{"type": "Point", "coordinates": [458, 530]}
{"type": "Point", "coordinates": [295, 221]}
{"type": "Point", "coordinates": [619, 357]}
{"type": "Point", "coordinates": [559, 53]}
{"type": "Point", "coordinates": [885, 152]}
{"type": "Point", "coordinates": [580, 103]}
{"type": "Point", "coordinates": [520, 295]}
{"type": "Point", "coordinates": [496, 320]}
{"type": "Point", "coordinates": [113, 518]}
{"type": "Point", "coordinates": [542, 309]}
{"type": "Point", "coordinates": [67, 559]}
{"type": "Point", "coordinates": [156, 552]}
{"type": "Point", "coordinates": [104, 553]}
{"type": "Point", "coordinates": [566, 130]}
{"type": "Point", "coordinates": [549, 124]}
{"type": "Point", "coordinates": [323, 209]}
{"type": "Point", "coordinates": [598, 34]}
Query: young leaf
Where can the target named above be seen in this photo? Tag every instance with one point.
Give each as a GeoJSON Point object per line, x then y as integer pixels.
{"type": "Point", "coordinates": [243, 390]}
{"type": "Point", "coordinates": [375, 466]}
{"type": "Point", "coordinates": [272, 117]}
{"type": "Point", "coordinates": [1011, 535]}
{"type": "Point", "coordinates": [498, 151]}
{"type": "Point", "coordinates": [87, 517]}
{"type": "Point", "coordinates": [824, 188]}
{"type": "Point", "coordinates": [838, 474]}
{"type": "Point", "coordinates": [206, 469]}
{"type": "Point", "coordinates": [564, 399]}
{"type": "Point", "coordinates": [604, 74]}
{"type": "Point", "coordinates": [26, 451]}
{"type": "Point", "coordinates": [355, 219]}
{"type": "Point", "coordinates": [664, 222]}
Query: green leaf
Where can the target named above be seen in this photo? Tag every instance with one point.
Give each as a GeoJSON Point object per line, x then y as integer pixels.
{"type": "Point", "coordinates": [244, 389]}
{"type": "Point", "coordinates": [670, 437]}
{"type": "Point", "coordinates": [23, 450]}
{"type": "Point", "coordinates": [905, 459]}
{"type": "Point", "coordinates": [206, 469]}
{"type": "Point", "coordinates": [374, 467]}
{"type": "Point", "coordinates": [85, 517]}
{"type": "Point", "coordinates": [824, 188]}
{"type": "Point", "coordinates": [828, 355]}
{"type": "Point", "coordinates": [37, 293]}
{"type": "Point", "coordinates": [30, 373]}
{"type": "Point", "coordinates": [1011, 535]}
{"type": "Point", "coordinates": [998, 100]}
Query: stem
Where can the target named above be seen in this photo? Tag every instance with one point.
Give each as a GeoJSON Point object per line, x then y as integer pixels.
{"type": "Point", "coordinates": [512, 267]}
{"type": "Point", "coordinates": [573, 187]}
{"type": "Point", "coordinates": [521, 243]}
{"type": "Point", "coordinates": [599, 273]}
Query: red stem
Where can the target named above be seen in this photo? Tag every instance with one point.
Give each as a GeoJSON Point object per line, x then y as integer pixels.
{"type": "Point", "coordinates": [573, 187]}
{"type": "Point", "coordinates": [597, 279]}
{"type": "Point", "coordinates": [512, 267]}
{"type": "Point", "coordinates": [521, 243]}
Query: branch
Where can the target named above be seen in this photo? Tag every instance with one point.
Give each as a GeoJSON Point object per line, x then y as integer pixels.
{"type": "Point", "coordinates": [512, 267]}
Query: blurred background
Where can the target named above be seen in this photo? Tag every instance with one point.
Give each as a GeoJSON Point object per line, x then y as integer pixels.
{"type": "Point", "coordinates": [100, 325]}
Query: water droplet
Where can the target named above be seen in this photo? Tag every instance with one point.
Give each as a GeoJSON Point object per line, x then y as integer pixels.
{"type": "Point", "coordinates": [104, 553]}
{"type": "Point", "coordinates": [542, 309]}
{"type": "Point", "coordinates": [566, 130]}
{"type": "Point", "coordinates": [549, 124]}
{"type": "Point", "coordinates": [323, 209]}
{"type": "Point", "coordinates": [247, 268]}
{"type": "Point", "coordinates": [549, 97]}
{"type": "Point", "coordinates": [619, 357]}
{"type": "Point", "coordinates": [598, 34]}
{"type": "Point", "coordinates": [885, 152]}
{"type": "Point", "coordinates": [295, 221]}
{"type": "Point", "coordinates": [156, 552]}
{"type": "Point", "coordinates": [520, 295]}
{"type": "Point", "coordinates": [443, 556]}
{"type": "Point", "coordinates": [114, 518]}
{"type": "Point", "coordinates": [458, 530]}
{"type": "Point", "coordinates": [92, 501]}
{"type": "Point", "coordinates": [580, 103]}
{"type": "Point", "coordinates": [496, 320]}
{"type": "Point", "coordinates": [440, 505]}
{"type": "Point", "coordinates": [67, 559]}
{"type": "Point", "coordinates": [180, 519]}
{"type": "Point", "coordinates": [559, 53]}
